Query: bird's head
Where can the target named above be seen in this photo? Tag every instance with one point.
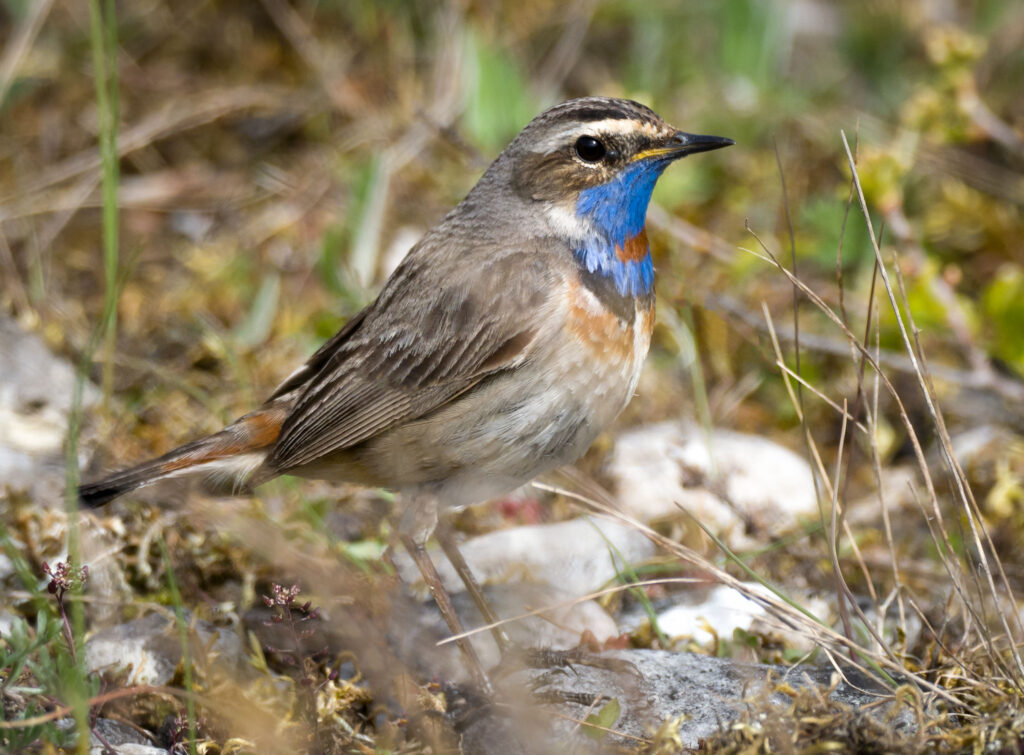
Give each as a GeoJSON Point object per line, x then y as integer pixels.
{"type": "Point", "coordinates": [592, 163]}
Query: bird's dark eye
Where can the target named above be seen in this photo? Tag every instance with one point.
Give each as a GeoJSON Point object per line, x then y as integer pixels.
{"type": "Point", "coordinates": [590, 149]}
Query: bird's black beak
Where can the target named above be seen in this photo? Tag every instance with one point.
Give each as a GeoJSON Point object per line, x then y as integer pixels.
{"type": "Point", "coordinates": [681, 144]}
{"type": "Point", "coordinates": [687, 144]}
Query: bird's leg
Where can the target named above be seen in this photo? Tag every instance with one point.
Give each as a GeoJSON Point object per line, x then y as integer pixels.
{"type": "Point", "coordinates": [418, 522]}
{"type": "Point", "coordinates": [444, 602]}
{"type": "Point", "coordinates": [561, 661]}
{"type": "Point", "coordinates": [538, 658]}
{"type": "Point", "coordinates": [451, 550]}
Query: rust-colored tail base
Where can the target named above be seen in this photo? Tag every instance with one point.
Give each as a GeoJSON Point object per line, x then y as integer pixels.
{"type": "Point", "coordinates": [231, 454]}
{"type": "Point", "coordinates": [103, 491]}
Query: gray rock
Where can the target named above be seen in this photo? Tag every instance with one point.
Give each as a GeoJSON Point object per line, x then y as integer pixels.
{"type": "Point", "coordinates": [699, 693]}
{"type": "Point", "coordinates": [144, 646]}
{"type": "Point", "coordinates": [150, 648]}
{"type": "Point", "coordinates": [122, 737]}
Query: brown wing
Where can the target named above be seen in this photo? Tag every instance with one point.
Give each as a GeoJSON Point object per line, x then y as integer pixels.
{"type": "Point", "coordinates": [438, 328]}
{"type": "Point", "coordinates": [322, 355]}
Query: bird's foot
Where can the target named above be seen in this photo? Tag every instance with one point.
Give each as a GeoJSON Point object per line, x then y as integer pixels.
{"type": "Point", "coordinates": [558, 662]}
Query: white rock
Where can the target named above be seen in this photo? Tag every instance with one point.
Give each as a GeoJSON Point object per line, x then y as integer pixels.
{"type": "Point", "coordinates": [129, 748]}
{"type": "Point", "coordinates": [7, 620]}
{"type": "Point", "coordinates": [35, 398]}
{"type": "Point", "coordinates": [724, 610]}
{"type": "Point", "coordinates": [724, 479]}
{"type": "Point", "coordinates": [720, 610]}
{"type": "Point", "coordinates": [6, 566]}
{"type": "Point", "coordinates": [576, 557]}
{"type": "Point", "coordinates": [972, 443]}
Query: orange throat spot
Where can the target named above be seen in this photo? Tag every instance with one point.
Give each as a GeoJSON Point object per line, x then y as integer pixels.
{"type": "Point", "coordinates": [634, 249]}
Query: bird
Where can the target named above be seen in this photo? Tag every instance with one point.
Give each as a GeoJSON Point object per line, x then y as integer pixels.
{"type": "Point", "coordinates": [507, 339]}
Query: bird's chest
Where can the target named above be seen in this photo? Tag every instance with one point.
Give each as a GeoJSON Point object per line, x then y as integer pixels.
{"type": "Point", "coordinates": [525, 421]}
{"type": "Point", "coordinates": [548, 412]}
{"type": "Point", "coordinates": [608, 340]}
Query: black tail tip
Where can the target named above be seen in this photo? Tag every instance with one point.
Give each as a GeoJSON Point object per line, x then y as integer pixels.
{"type": "Point", "coordinates": [97, 494]}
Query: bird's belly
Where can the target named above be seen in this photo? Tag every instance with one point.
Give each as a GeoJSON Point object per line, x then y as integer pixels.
{"type": "Point", "coordinates": [523, 422]}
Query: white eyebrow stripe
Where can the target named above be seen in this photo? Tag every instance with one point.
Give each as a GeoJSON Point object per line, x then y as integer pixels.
{"type": "Point", "coordinates": [608, 126]}
{"type": "Point", "coordinates": [619, 126]}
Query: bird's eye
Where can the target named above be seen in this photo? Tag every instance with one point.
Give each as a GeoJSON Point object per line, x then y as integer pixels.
{"type": "Point", "coordinates": [590, 149]}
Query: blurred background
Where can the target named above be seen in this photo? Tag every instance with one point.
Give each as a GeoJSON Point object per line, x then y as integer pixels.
{"type": "Point", "coordinates": [278, 158]}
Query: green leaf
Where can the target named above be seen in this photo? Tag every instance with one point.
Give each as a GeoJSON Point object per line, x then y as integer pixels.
{"type": "Point", "coordinates": [498, 101]}
{"type": "Point", "coordinates": [605, 718]}
{"type": "Point", "coordinates": [255, 328]}
{"type": "Point", "coordinates": [1003, 307]}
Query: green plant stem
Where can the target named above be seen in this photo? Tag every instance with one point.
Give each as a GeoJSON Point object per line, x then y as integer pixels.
{"type": "Point", "coordinates": [77, 693]}
{"type": "Point", "coordinates": [103, 34]}
{"type": "Point", "coordinates": [186, 655]}
{"type": "Point", "coordinates": [69, 634]}
{"type": "Point", "coordinates": [627, 575]}
{"type": "Point", "coordinates": [735, 558]}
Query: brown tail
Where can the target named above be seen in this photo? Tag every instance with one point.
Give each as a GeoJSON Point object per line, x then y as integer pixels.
{"type": "Point", "coordinates": [247, 436]}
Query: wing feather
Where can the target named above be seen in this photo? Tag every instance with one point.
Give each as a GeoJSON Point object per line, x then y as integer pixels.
{"type": "Point", "coordinates": [433, 333]}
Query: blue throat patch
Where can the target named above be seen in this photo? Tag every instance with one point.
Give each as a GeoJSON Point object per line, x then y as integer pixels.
{"type": "Point", "coordinates": [618, 210]}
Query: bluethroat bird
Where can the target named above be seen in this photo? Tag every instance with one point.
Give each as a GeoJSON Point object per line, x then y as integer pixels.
{"type": "Point", "coordinates": [508, 338]}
